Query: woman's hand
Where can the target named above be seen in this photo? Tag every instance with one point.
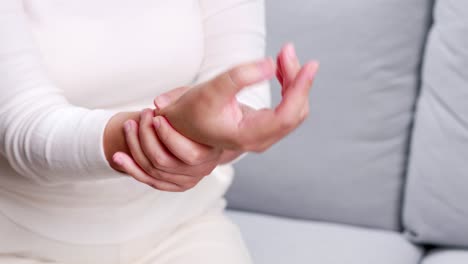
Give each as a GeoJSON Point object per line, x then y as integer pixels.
{"type": "Point", "coordinates": [163, 158]}
{"type": "Point", "coordinates": [210, 114]}
{"type": "Point", "coordinates": [168, 161]}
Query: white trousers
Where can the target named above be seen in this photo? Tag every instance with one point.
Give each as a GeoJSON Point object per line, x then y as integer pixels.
{"type": "Point", "coordinates": [208, 239]}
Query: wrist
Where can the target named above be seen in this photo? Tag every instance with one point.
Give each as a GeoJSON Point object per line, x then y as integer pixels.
{"type": "Point", "coordinates": [229, 155]}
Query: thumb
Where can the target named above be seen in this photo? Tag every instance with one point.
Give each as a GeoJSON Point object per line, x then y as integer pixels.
{"type": "Point", "coordinates": [225, 86]}
{"type": "Point", "coordinates": [165, 99]}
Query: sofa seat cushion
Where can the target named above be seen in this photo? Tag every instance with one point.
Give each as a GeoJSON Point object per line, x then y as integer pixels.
{"type": "Point", "coordinates": [274, 240]}
{"type": "Point", "coordinates": [446, 257]}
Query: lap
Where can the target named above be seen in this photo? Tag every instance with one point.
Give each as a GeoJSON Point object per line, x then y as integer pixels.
{"type": "Point", "coordinates": [210, 239]}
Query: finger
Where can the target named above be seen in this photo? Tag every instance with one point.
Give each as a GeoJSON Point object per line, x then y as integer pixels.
{"type": "Point", "coordinates": [262, 128]}
{"type": "Point", "coordinates": [161, 158]}
{"type": "Point", "coordinates": [258, 127]}
{"type": "Point", "coordinates": [130, 167]}
{"type": "Point", "coordinates": [133, 143]}
{"type": "Point", "coordinates": [153, 149]}
{"type": "Point", "coordinates": [296, 98]}
{"type": "Point", "coordinates": [279, 72]}
{"type": "Point", "coordinates": [141, 159]}
{"type": "Point", "coordinates": [167, 98]}
{"type": "Point", "coordinates": [223, 88]}
{"type": "Point", "coordinates": [183, 181]}
{"type": "Point", "coordinates": [289, 64]}
{"type": "Point", "coordinates": [190, 152]}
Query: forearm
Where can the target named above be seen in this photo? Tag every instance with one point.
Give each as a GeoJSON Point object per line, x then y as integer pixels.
{"type": "Point", "coordinates": [51, 142]}
{"type": "Point", "coordinates": [44, 138]}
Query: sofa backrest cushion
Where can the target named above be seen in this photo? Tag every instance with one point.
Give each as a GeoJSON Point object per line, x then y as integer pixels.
{"type": "Point", "coordinates": [436, 199]}
{"type": "Point", "coordinates": [346, 163]}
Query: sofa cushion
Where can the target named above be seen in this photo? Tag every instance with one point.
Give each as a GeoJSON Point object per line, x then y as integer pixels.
{"type": "Point", "coordinates": [274, 240]}
{"type": "Point", "coordinates": [436, 206]}
{"type": "Point", "coordinates": [346, 162]}
{"type": "Point", "coordinates": [446, 257]}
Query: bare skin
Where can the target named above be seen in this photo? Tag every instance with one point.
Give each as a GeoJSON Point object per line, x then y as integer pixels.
{"type": "Point", "coordinates": [194, 129]}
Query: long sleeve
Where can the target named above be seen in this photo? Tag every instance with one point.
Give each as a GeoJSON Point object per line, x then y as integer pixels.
{"type": "Point", "coordinates": [43, 137]}
{"type": "Point", "coordinates": [234, 34]}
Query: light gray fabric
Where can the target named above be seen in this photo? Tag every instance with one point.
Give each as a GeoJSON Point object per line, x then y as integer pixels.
{"type": "Point", "coordinates": [346, 162]}
{"type": "Point", "coordinates": [274, 240]}
{"type": "Point", "coordinates": [436, 207]}
{"type": "Point", "coordinates": [446, 256]}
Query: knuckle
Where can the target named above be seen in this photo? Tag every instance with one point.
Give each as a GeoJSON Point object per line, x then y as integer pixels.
{"type": "Point", "coordinates": [202, 173]}
{"type": "Point", "coordinates": [193, 158]}
{"type": "Point", "coordinates": [159, 160]}
{"type": "Point", "coordinates": [239, 142]}
{"type": "Point", "coordinates": [196, 157]}
{"type": "Point", "coordinates": [164, 175]}
{"type": "Point", "coordinates": [209, 169]}
{"type": "Point", "coordinates": [304, 113]}
{"type": "Point", "coordinates": [155, 186]}
{"type": "Point", "coordinates": [159, 187]}
{"type": "Point", "coordinates": [288, 123]}
{"type": "Point", "coordinates": [153, 172]}
{"type": "Point", "coordinates": [262, 148]}
{"type": "Point", "coordinates": [136, 177]}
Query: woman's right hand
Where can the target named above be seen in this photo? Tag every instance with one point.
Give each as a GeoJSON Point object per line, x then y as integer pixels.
{"type": "Point", "coordinates": [159, 156]}
{"type": "Point", "coordinates": [163, 158]}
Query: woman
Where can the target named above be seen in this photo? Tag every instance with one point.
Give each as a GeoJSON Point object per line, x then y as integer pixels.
{"type": "Point", "coordinates": [74, 76]}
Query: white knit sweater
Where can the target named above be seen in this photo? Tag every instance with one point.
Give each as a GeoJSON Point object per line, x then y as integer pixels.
{"type": "Point", "coordinates": [67, 66]}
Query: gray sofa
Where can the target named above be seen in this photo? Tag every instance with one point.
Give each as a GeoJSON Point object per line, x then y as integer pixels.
{"type": "Point", "coordinates": [379, 171]}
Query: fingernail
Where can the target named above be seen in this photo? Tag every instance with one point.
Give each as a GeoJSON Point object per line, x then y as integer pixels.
{"type": "Point", "coordinates": [118, 160]}
{"type": "Point", "coordinates": [290, 51]}
{"type": "Point", "coordinates": [161, 101]}
{"type": "Point", "coordinates": [128, 126]}
{"type": "Point", "coordinates": [156, 122]}
{"type": "Point", "coordinates": [313, 67]}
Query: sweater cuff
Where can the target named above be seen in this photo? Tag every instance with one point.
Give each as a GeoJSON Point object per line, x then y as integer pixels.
{"type": "Point", "coordinates": [92, 139]}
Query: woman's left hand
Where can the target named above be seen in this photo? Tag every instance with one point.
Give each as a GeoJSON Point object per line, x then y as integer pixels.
{"type": "Point", "coordinates": [209, 113]}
